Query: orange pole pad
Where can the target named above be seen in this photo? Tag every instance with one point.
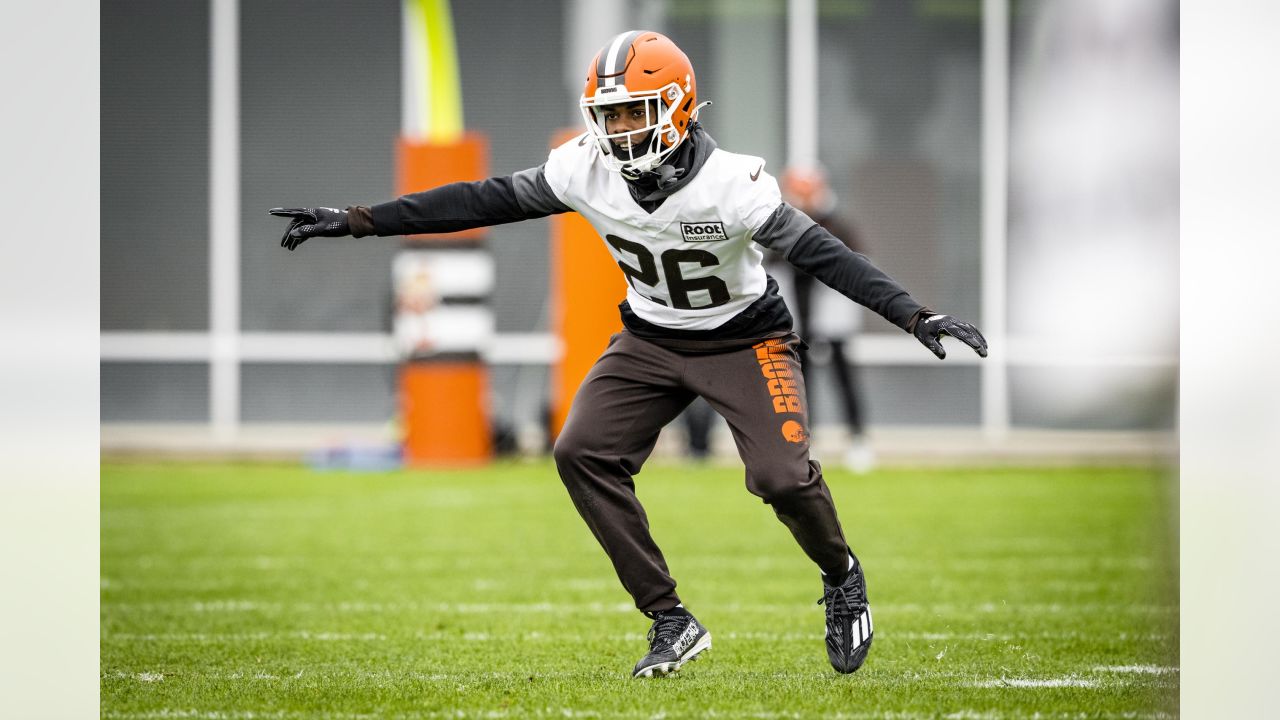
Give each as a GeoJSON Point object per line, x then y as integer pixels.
{"type": "Point", "coordinates": [423, 165]}
{"type": "Point", "coordinates": [586, 288]}
{"type": "Point", "coordinates": [445, 413]}
{"type": "Point", "coordinates": [443, 405]}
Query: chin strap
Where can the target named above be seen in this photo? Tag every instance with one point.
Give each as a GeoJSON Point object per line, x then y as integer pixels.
{"type": "Point", "coordinates": [663, 177]}
{"type": "Point", "coordinates": [668, 175]}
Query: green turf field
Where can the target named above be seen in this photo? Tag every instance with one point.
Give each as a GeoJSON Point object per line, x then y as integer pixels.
{"type": "Point", "coordinates": [243, 592]}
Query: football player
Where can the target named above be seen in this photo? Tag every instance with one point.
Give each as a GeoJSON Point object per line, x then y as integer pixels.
{"type": "Point", "coordinates": [686, 222]}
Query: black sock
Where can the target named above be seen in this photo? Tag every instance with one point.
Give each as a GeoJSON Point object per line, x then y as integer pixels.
{"type": "Point", "coordinates": [678, 611]}
{"type": "Point", "coordinates": [835, 580]}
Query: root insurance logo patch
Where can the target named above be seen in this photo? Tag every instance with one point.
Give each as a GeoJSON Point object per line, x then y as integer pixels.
{"type": "Point", "coordinates": [703, 231]}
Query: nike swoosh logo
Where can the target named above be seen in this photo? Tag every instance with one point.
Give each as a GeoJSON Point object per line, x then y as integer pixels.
{"type": "Point", "coordinates": [583, 141]}
{"type": "Point", "coordinates": [756, 175]}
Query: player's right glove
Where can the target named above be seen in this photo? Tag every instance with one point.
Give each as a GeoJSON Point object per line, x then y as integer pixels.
{"type": "Point", "coordinates": [311, 222]}
{"type": "Point", "coordinates": [930, 328]}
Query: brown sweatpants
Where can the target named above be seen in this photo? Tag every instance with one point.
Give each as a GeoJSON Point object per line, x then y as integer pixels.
{"type": "Point", "coordinates": [636, 388]}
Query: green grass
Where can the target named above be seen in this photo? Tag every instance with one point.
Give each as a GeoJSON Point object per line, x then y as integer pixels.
{"type": "Point", "coordinates": [243, 592]}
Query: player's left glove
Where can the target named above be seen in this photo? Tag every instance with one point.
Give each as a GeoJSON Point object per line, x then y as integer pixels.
{"type": "Point", "coordinates": [311, 222]}
{"type": "Point", "coordinates": [930, 328]}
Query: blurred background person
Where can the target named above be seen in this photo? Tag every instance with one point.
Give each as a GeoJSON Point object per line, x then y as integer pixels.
{"type": "Point", "coordinates": [823, 316]}
{"type": "Point", "coordinates": [698, 419]}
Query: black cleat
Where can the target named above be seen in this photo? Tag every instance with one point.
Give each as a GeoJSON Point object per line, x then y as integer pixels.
{"type": "Point", "coordinates": [848, 621]}
{"type": "Point", "coordinates": [675, 638]}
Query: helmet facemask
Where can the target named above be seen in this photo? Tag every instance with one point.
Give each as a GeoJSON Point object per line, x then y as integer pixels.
{"type": "Point", "coordinates": [661, 136]}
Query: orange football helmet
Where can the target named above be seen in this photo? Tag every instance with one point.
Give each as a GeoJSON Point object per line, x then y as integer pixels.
{"type": "Point", "coordinates": [640, 66]}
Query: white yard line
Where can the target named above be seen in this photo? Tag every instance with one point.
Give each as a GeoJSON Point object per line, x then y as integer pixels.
{"type": "Point", "coordinates": [1036, 682]}
{"type": "Point", "coordinates": [237, 605]}
{"type": "Point", "coordinates": [1137, 669]}
{"type": "Point", "coordinates": [1058, 561]}
{"type": "Point", "coordinates": [538, 636]}
{"type": "Point", "coordinates": [321, 636]}
{"type": "Point", "coordinates": [563, 712]}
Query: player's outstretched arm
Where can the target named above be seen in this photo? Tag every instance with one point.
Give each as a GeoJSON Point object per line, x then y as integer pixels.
{"type": "Point", "coordinates": [448, 208]}
{"type": "Point", "coordinates": [929, 328]}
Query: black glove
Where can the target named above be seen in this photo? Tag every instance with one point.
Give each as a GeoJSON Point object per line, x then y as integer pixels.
{"type": "Point", "coordinates": [311, 222]}
{"type": "Point", "coordinates": [930, 328]}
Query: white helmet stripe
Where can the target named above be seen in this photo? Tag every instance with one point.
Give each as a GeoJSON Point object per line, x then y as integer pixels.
{"type": "Point", "coordinates": [614, 61]}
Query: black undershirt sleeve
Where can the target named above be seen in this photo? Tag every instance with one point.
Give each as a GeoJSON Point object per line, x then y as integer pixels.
{"type": "Point", "coordinates": [450, 208]}
{"type": "Point", "coordinates": [825, 257]}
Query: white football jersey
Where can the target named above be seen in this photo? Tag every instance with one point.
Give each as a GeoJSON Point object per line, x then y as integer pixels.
{"type": "Point", "coordinates": [691, 264]}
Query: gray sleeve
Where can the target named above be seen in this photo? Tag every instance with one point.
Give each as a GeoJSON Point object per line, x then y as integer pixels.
{"type": "Point", "coordinates": [783, 228]}
{"type": "Point", "coordinates": [534, 194]}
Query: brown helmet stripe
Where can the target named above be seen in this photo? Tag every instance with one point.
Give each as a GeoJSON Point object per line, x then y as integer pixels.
{"type": "Point", "coordinates": [613, 58]}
